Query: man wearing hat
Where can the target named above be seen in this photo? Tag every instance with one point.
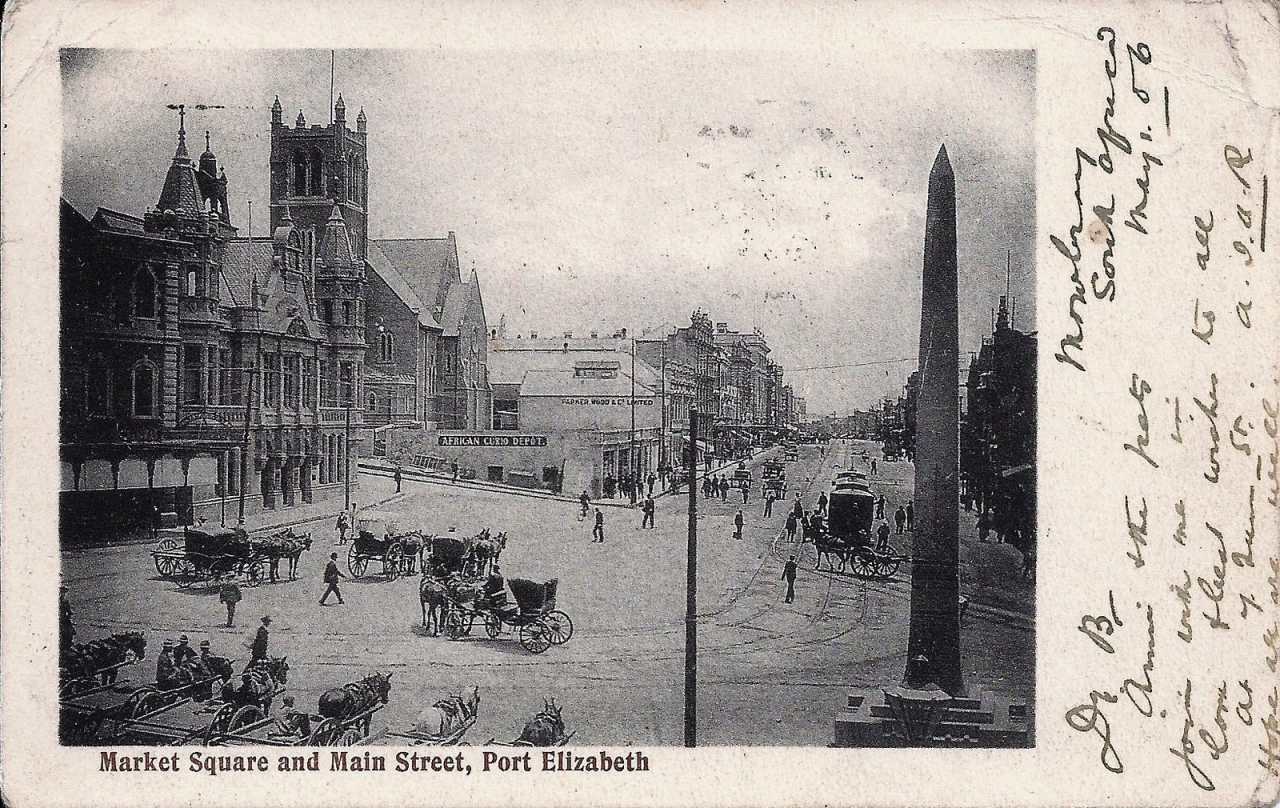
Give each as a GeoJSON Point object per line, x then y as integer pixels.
{"type": "Point", "coordinates": [293, 723]}
{"type": "Point", "coordinates": [164, 665]}
{"type": "Point", "coordinates": [229, 594]}
{"type": "Point", "coordinates": [331, 576]}
{"type": "Point", "coordinates": [183, 652]}
{"type": "Point", "coordinates": [258, 650]}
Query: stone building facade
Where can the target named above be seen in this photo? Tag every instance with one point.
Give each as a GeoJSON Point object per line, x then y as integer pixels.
{"type": "Point", "coordinates": [198, 363]}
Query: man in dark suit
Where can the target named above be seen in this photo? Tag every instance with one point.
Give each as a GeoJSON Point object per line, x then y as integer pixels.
{"type": "Point", "coordinates": [737, 525]}
{"type": "Point", "coordinates": [597, 532]}
{"type": "Point", "coordinates": [258, 650]}
{"type": "Point", "coordinates": [789, 575]}
{"type": "Point", "coordinates": [331, 576]}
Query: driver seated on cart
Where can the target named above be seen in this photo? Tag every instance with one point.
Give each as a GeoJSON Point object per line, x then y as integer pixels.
{"type": "Point", "coordinates": [292, 723]}
{"type": "Point", "coordinates": [494, 595]}
{"type": "Point", "coordinates": [165, 666]}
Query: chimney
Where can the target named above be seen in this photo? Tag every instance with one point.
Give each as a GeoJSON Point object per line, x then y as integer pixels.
{"type": "Point", "coordinates": [722, 328]}
{"type": "Point", "coordinates": [533, 335]}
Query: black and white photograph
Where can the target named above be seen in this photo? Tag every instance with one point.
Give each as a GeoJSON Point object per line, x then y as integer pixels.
{"type": "Point", "coordinates": [547, 398]}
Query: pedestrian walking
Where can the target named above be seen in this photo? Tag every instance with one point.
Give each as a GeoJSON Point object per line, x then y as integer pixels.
{"type": "Point", "coordinates": [798, 509]}
{"type": "Point", "coordinates": [258, 648]}
{"type": "Point", "coordinates": [746, 489]}
{"type": "Point", "coordinates": [882, 537]}
{"type": "Point", "coordinates": [900, 518]}
{"type": "Point", "coordinates": [880, 507]}
{"type": "Point", "coordinates": [822, 502]}
{"type": "Point", "coordinates": [331, 577]}
{"type": "Point", "coordinates": [652, 479]}
{"type": "Point", "coordinates": [597, 532]}
{"type": "Point", "coordinates": [66, 631]}
{"type": "Point", "coordinates": [229, 595]}
{"type": "Point", "coordinates": [724, 488]}
{"type": "Point", "coordinates": [453, 467]}
{"type": "Point", "coordinates": [397, 478]}
{"type": "Point", "coordinates": [804, 527]}
{"type": "Point", "coordinates": [737, 525]}
{"type": "Point", "coordinates": [873, 468]}
{"type": "Point", "coordinates": [911, 516]}
{"type": "Point", "coordinates": [768, 505]}
{"type": "Point", "coordinates": [789, 575]}
{"type": "Point", "coordinates": [647, 521]}
{"type": "Point", "coordinates": [584, 503]}
{"type": "Point", "coordinates": [344, 524]}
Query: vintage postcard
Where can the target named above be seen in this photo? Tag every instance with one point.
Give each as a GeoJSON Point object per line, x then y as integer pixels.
{"type": "Point", "coordinates": [640, 404]}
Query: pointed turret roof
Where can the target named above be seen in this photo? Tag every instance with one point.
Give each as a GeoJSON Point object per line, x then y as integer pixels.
{"type": "Point", "coordinates": [335, 245]}
{"type": "Point", "coordinates": [181, 193]}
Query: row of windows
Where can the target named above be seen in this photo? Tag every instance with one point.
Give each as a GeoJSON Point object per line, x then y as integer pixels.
{"type": "Point", "coordinates": [138, 394]}
{"type": "Point", "coordinates": [309, 179]}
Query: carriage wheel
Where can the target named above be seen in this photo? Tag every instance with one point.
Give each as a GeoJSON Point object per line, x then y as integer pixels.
{"type": "Point", "coordinates": [350, 737]}
{"type": "Point", "coordinates": [455, 626]}
{"type": "Point", "coordinates": [245, 716]}
{"type": "Point", "coordinates": [861, 564]}
{"type": "Point", "coordinates": [253, 573]}
{"type": "Point", "coordinates": [354, 561]}
{"type": "Point", "coordinates": [559, 627]}
{"type": "Point", "coordinates": [886, 566]}
{"type": "Point", "coordinates": [492, 626]}
{"type": "Point", "coordinates": [142, 701]}
{"type": "Point", "coordinates": [391, 561]}
{"type": "Point", "coordinates": [533, 636]}
{"type": "Point", "coordinates": [221, 721]}
{"type": "Point", "coordinates": [184, 572]}
{"type": "Point", "coordinates": [167, 544]}
{"type": "Point", "coordinates": [323, 732]}
{"type": "Point", "coordinates": [163, 565]}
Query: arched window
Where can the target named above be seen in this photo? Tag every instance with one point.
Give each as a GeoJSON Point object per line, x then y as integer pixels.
{"type": "Point", "coordinates": [144, 389]}
{"type": "Point", "coordinates": [385, 348]}
{"type": "Point", "coordinates": [144, 293]}
{"type": "Point", "coordinates": [328, 311]}
{"type": "Point", "coordinates": [346, 312]}
{"type": "Point", "coordinates": [373, 402]}
{"type": "Point", "coordinates": [300, 173]}
{"type": "Point", "coordinates": [316, 179]}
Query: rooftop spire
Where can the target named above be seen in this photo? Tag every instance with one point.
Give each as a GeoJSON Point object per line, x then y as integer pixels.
{"type": "Point", "coordinates": [340, 109]}
{"type": "Point", "coordinates": [301, 120]}
{"type": "Point", "coordinates": [276, 110]}
{"type": "Point", "coordinates": [361, 121]}
{"type": "Point", "coordinates": [182, 132]}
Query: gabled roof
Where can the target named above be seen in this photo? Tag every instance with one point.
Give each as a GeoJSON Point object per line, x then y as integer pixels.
{"type": "Point", "coordinates": [114, 220]}
{"type": "Point", "coordinates": [429, 265]}
{"type": "Point", "coordinates": [399, 286]}
{"type": "Point", "coordinates": [240, 259]}
{"type": "Point", "coordinates": [455, 308]}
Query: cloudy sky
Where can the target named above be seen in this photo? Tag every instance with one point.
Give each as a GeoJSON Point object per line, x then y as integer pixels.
{"type": "Point", "coordinates": [596, 190]}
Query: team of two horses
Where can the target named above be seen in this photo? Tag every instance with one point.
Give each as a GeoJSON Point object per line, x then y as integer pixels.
{"type": "Point", "coordinates": [439, 587]}
{"type": "Point", "coordinates": [284, 544]}
{"type": "Point", "coordinates": [86, 664]}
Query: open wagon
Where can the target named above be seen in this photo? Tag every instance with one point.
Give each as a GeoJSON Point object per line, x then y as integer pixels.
{"type": "Point", "coordinates": [207, 554]}
{"type": "Point", "coordinates": [377, 540]}
{"type": "Point", "coordinates": [122, 713]}
{"type": "Point", "coordinates": [534, 617]}
{"type": "Point", "coordinates": [444, 725]}
{"type": "Point", "coordinates": [341, 727]}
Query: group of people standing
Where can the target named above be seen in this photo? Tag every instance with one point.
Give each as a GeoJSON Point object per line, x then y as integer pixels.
{"type": "Point", "coordinates": [630, 487]}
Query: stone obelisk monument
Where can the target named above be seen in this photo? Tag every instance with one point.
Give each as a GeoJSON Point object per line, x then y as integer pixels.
{"type": "Point", "coordinates": [933, 646]}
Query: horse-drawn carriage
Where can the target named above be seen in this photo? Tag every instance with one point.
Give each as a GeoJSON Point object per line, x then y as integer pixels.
{"type": "Point", "coordinates": [207, 554]}
{"type": "Point", "coordinates": [97, 663]}
{"type": "Point", "coordinates": [378, 538]}
{"type": "Point", "coordinates": [345, 714]}
{"type": "Point", "coordinates": [777, 486]}
{"type": "Point", "coordinates": [181, 708]}
{"type": "Point", "coordinates": [534, 616]}
{"type": "Point", "coordinates": [790, 453]}
{"type": "Point", "coordinates": [773, 469]}
{"type": "Point", "coordinates": [847, 534]}
{"type": "Point", "coordinates": [741, 476]}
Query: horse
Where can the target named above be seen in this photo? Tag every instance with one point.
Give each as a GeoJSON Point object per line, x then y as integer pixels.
{"type": "Point", "coordinates": [433, 593]}
{"type": "Point", "coordinates": [258, 683]}
{"type": "Point", "coordinates": [354, 698]}
{"type": "Point", "coordinates": [828, 546]}
{"type": "Point", "coordinates": [91, 659]}
{"type": "Point", "coordinates": [544, 729]}
{"type": "Point", "coordinates": [447, 714]}
{"type": "Point", "coordinates": [484, 551]}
